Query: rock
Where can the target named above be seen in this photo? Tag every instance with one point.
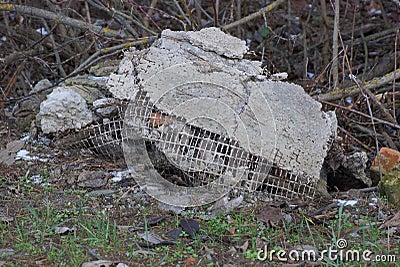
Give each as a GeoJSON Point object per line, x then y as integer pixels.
{"type": "Point", "coordinates": [345, 171]}
{"type": "Point", "coordinates": [105, 68]}
{"type": "Point", "coordinates": [388, 160]}
{"type": "Point", "coordinates": [63, 109]}
{"type": "Point", "coordinates": [106, 107]}
{"type": "Point", "coordinates": [356, 163]}
{"type": "Point", "coordinates": [90, 94]}
{"type": "Point", "coordinates": [89, 81]}
{"type": "Point", "coordinates": [26, 109]}
{"type": "Point", "coordinates": [89, 87]}
{"type": "Point", "coordinates": [390, 186]}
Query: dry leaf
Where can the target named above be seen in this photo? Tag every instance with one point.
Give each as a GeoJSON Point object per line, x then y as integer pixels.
{"type": "Point", "coordinates": [270, 215]}
{"type": "Point", "coordinates": [7, 155]}
{"type": "Point", "coordinates": [151, 238]}
{"type": "Point", "coordinates": [175, 233]}
{"type": "Point", "coordinates": [190, 261]}
{"type": "Point", "coordinates": [190, 226]}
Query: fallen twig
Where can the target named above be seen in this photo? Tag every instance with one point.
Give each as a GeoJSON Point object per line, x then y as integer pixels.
{"type": "Point", "coordinates": [373, 37]}
{"type": "Point", "coordinates": [56, 54]}
{"type": "Point", "coordinates": [365, 93]}
{"type": "Point", "coordinates": [350, 135]}
{"type": "Point", "coordinates": [37, 12]}
{"type": "Point", "coordinates": [396, 126]}
{"type": "Point", "coordinates": [96, 56]}
{"type": "Point", "coordinates": [121, 18]}
{"type": "Point", "coordinates": [335, 46]}
{"type": "Point", "coordinates": [100, 54]}
{"type": "Point", "coordinates": [182, 13]}
{"type": "Point", "coordinates": [253, 15]}
{"type": "Point", "coordinates": [149, 13]}
{"type": "Point", "coordinates": [372, 84]}
{"type": "Point", "coordinates": [368, 92]}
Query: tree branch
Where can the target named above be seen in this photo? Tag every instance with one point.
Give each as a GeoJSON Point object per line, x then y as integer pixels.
{"type": "Point", "coordinates": [372, 84]}
{"type": "Point", "coordinates": [58, 18]}
{"type": "Point", "coordinates": [257, 14]}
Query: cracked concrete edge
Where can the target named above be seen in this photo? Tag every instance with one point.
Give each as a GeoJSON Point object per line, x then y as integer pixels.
{"type": "Point", "coordinates": [304, 131]}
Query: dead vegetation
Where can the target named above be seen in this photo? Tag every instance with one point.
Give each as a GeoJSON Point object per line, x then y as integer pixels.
{"type": "Point", "coordinates": [56, 40]}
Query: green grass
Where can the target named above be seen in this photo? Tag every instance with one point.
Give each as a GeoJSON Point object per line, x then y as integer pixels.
{"type": "Point", "coordinates": [32, 232]}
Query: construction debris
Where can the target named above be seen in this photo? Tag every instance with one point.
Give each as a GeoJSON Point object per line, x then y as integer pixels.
{"type": "Point", "coordinates": [62, 110]}
{"type": "Point", "coordinates": [206, 115]}
{"type": "Point", "coordinates": [184, 95]}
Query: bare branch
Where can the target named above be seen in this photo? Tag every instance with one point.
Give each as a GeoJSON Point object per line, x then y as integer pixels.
{"type": "Point", "coordinates": [396, 126]}
{"type": "Point", "coordinates": [96, 56]}
{"type": "Point", "coordinates": [335, 46]}
{"type": "Point", "coordinates": [257, 14]}
{"type": "Point", "coordinates": [58, 18]}
{"type": "Point", "coordinates": [372, 84]}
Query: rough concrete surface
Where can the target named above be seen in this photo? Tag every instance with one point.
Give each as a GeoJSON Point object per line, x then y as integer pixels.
{"type": "Point", "coordinates": [193, 75]}
{"type": "Point", "coordinates": [63, 109]}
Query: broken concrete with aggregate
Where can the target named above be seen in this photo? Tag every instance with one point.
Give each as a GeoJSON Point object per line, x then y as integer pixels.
{"type": "Point", "coordinates": [192, 75]}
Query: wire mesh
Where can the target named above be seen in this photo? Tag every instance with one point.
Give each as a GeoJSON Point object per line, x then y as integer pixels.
{"type": "Point", "coordinates": [187, 155]}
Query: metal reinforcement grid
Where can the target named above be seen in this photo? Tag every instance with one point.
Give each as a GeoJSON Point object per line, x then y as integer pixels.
{"type": "Point", "coordinates": [187, 155]}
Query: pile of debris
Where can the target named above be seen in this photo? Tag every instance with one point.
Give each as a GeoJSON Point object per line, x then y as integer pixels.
{"type": "Point", "coordinates": [189, 112]}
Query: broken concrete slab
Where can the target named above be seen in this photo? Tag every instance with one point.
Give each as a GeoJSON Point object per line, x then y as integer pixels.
{"type": "Point", "coordinates": [304, 133]}
{"type": "Point", "coordinates": [184, 71]}
{"type": "Point", "coordinates": [172, 49]}
{"type": "Point", "coordinates": [207, 112]}
{"type": "Point", "coordinates": [212, 40]}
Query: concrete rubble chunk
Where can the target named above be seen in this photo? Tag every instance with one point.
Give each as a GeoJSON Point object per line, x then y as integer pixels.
{"type": "Point", "coordinates": [206, 114]}
{"type": "Point", "coordinates": [172, 49]}
{"type": "Point", "coordinates": [213, 40]}
{"type": "Point", "coordinates": [183, 71]}
{"type": "Point", "coordinates": [63, 109]}
{"type": "Point", "coordinates": [303, 132]}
